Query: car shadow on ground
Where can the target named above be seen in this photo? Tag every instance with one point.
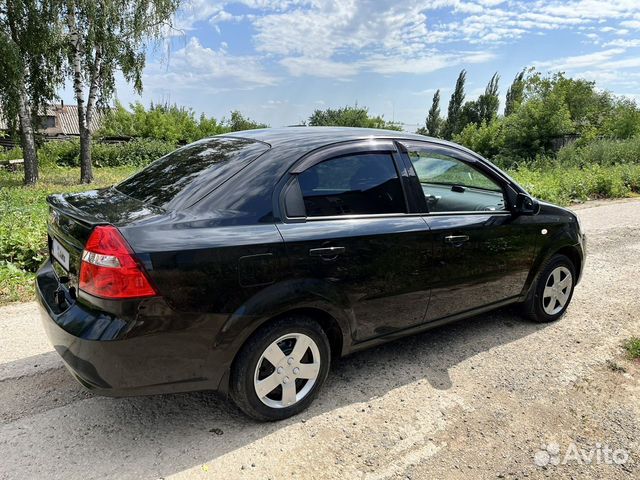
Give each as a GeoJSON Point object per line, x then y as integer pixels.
{"type": "Point", "coordinates": [155, 436]}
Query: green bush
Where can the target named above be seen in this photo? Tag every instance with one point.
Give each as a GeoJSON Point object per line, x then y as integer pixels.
{"type": "Point", "coordinates": [632, 346]}
{"type": "Point", "coordinates": [601, 152]}
{"type": "Point", "coordinates": [350, 117]}
{"type": "Point", "coordinates": [60, 153]}
{"type": "Point", "coordinates": [13, 154]}
{"type": "Point", "coordinates": [169, 123]}
{"type": "Point", "coordinates": [136, 153]}
{"type": "Point", "coordinates": [566, 185]}
{"type": "Point", "coordinates": [485, 139]}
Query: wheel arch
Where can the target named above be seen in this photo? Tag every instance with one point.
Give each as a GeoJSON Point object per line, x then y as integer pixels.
{"type": "Point", "coordinates": [329, 324]}
{"type": "Point", "coordinates": [571, 251]}
{"type": "Point", "coordinates": [337, 336]}
{"type": "Point", "coordinates": [573, 254]}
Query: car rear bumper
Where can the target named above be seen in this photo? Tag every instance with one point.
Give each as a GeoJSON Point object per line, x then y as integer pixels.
{"type": "Point", "coordinates": [97, 350]}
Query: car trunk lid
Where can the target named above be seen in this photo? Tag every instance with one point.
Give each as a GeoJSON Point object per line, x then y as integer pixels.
{"type": "Point", "coordinates": [72, 218]}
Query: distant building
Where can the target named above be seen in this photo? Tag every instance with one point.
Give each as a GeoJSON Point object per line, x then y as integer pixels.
{"type": "Point", "coordinates": [59, 122]}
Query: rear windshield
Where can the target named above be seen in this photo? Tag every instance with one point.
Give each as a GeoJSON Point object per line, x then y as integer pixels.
{"type": "Point", "coordinates": [186, 175]}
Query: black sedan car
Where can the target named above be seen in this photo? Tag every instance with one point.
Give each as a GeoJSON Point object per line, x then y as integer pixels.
{"type": "Point", "coordinates": [247, 262]}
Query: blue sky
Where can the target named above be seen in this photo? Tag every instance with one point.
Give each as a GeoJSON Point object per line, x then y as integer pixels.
{"type": "Point", "coordinates": [277, 61]}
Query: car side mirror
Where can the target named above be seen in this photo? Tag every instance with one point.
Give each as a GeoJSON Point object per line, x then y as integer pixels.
{"type": "Point", "coordinates": [526, 205]}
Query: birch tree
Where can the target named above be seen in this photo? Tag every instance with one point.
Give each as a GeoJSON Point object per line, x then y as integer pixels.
{"type": "Point", "coordinates": [104, 37]}
{"type": "Point", "coordinates": [30, 69]}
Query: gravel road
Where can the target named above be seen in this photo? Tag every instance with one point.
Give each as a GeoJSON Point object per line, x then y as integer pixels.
{"type": "Point", "coordinates": [490, 397]}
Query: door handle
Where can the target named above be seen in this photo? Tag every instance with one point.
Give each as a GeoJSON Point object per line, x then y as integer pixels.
{"type": "Point", "coordinates": [328, 253]}
{"type": "Point", "coordinates": [456, 239]}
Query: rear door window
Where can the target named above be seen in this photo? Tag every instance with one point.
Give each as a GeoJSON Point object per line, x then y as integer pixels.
{"type": "Point", "coordinates": [184, 176]}
{"type": "Point", "coordinates": [357, 184]}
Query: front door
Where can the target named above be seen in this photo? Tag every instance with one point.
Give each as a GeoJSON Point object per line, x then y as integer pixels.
{"type": "Point", "coordinates": [482, 253]}
{"type": "Point", "coordinates": [358, 244]}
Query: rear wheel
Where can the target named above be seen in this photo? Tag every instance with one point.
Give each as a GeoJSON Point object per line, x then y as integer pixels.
{"type": "Point", "coordinates": [280, 370]}
{"type": "Point", "coordinates": [553, 290]}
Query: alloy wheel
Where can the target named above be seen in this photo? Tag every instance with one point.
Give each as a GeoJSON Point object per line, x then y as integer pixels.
{"type": "Point", "coordinates": [557, 290]}
{"type": "Point", "coordinates": [287, 370]}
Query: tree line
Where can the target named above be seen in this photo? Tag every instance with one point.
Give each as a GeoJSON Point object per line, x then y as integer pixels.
{"type": "Point", "coordinates": [541, 113]}
{"type": "Point", "coordinates": [181, 125]}
{"type": "Point", "coordinates": [45, 43]}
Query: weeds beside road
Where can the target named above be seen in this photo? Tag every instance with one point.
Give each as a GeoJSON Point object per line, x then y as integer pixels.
{"type": "Point", "coordinates": [23, 222]}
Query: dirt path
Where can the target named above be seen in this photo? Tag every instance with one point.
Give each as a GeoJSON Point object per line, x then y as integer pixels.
{"type": "Point", "coordinates": [491, 397]}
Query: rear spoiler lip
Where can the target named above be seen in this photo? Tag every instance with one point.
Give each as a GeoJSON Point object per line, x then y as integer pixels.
{"type": "Point", "coordinates": [58, 202]}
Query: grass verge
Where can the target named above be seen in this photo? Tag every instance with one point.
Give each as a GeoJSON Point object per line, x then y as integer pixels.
{"type": "Point", "coordinates": [632, 347]}
{"type": "Point", "coordinates": [23, 222]}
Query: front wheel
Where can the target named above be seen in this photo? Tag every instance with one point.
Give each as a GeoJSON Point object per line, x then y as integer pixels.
{"type": "Point", "coordinates": [553, 290]}
{"type": "Point", "coordinates": [280, 370]}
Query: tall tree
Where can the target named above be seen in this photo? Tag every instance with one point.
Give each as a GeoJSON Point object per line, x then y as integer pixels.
{"type": "Point", "coordinates": [30, 65]}
{"type": "Point", "coordinates": [434, 120]}
{"type": "Point", "coordinates": [103, 37]}
{"type": "Point", "coordinates": [515, 94]}
{"type": "Point", "coordinates": [433, 124]}
{"type": "Point", "coordinates": [484, 109]}
{"type": "Point", "coordinates": [452, 125]}
{"type": "Point", "coordinates": [489, 102]}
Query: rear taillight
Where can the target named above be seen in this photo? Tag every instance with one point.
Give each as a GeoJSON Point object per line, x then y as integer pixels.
{"type": "Point", "coordinates": [109, 269]}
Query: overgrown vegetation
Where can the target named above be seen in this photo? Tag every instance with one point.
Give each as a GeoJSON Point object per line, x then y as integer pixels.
{"type": "Point", "coordinates": [350, 117]}
{"type": "Point", "coordinates": [138, 152]}
{"type": "Point", "coordinates": [169, 123]}
{"type": "Point", "coordinates": [632, 347]}
{"type": "Point", "coordinates": [23, 229]}
{"type": "Point", "coordinates": [542, 114]}
{"type": "Point", "coordinates": [15, 285]}
{"type": "Point", "coordinates": [563, 185]}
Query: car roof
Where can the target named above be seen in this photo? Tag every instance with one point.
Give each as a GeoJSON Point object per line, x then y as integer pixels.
{"type": "Point", "coordinates": [315, 137]}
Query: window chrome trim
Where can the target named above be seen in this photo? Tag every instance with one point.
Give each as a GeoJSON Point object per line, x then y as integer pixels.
{"type": "Point", "coordinates": [363, 216]}
{"type": "Point", "coordinates": [469, 212]}
{"type": "Point", "coordinates": [398, 215]}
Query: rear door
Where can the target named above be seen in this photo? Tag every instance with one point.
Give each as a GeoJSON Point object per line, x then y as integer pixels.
{"type": "Point", "coordinates": [350, 231]}
{"type": "Point", "coordinates": [482, 252]}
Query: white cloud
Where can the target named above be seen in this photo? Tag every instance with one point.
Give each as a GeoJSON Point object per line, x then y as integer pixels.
{"type": "Point", "coordinates": [580, 61]}
{"type": "Point", "coordinates": [340, 38]}
{"type": "Point", "coordinates": [196, 66]}
{"type": "Point", "coordinates": [318, 67]}
{"type": "Point", "coordinates": [625, 43]}
{"type": "Point", "coordinates": [632, 62]}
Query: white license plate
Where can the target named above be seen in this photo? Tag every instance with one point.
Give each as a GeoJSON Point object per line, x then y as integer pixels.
{"type": "Point", "coordinates": [60, 254]}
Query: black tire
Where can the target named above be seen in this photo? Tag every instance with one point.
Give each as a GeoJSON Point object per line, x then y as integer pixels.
{"type": "Point", "coordinates": [534, 306]}
{"type": "Point", "coordinates": [242, 389]}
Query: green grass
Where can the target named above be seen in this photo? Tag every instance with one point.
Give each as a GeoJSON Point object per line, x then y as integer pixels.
{"type": "Point", "coordinates": [15, 285]}
{"type": "Point", "coordinates": [23, 222]}
{"type": "Point", "coordinates": [632, 347]}
{"type": "Point", "coordinates": [567, 185]}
